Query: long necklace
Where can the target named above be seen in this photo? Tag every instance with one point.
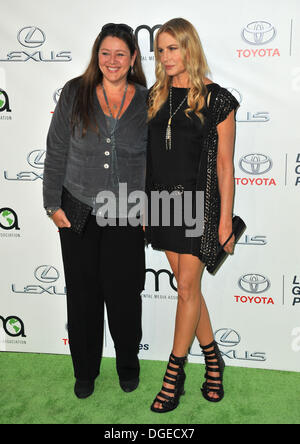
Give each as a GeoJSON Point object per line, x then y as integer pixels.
{"type": "Point", "coordinates": [112, 139]}
{"type": "Point", "coordinates": [169, 130]}
{"type": "Point", "coordinates": [121, 106]}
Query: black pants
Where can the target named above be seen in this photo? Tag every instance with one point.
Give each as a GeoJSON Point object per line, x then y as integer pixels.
{"type": "Point", "coordinates": [104, 266]}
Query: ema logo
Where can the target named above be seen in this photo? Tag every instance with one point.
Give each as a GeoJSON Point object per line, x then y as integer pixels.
{"type": "Point", "coordinates": [8, 219]}
{"type": "Point", "coordinates": [13, 326]}
{"type": "Point", "coordinates": [150, 31]}
{"type": "Point", "coordinates": [5, 109]}
{"type": "Point", "coordinates": [4, 102]}
{"type": "Point", "coordinates": [157, 275]}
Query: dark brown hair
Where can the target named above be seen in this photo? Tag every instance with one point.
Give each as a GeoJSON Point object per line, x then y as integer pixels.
{"type": "Point", "coordinates": [83, 109]}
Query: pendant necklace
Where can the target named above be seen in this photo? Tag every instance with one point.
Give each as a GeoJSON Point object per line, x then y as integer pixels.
{"type": "Point", "coordinates": [114, 159]}
{"type": "Point", "coordinates": [169, 131]}
{"type": "Point", "coordinates": [114, 106]}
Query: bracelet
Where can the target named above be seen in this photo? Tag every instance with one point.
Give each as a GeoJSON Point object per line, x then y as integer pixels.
{"type": "Point", "coordinates": [51, 211]}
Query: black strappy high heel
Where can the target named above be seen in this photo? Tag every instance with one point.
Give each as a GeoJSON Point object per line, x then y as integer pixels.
{"type": "Point", "coordinates": [169, 403]}
{"type": "Point", "coordinates": [214, 364]}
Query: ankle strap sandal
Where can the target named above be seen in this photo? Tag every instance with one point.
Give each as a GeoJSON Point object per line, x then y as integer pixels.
{"type": "Point", "coordinates": [212, 389]}
{"type": "Point", "coordinates": [176, 379]}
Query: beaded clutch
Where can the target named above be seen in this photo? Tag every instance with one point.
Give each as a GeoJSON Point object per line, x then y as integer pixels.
{"type": "Point", "coordinates": [76, 211]}
{"type": "Point", "coordinates": [238, 227]}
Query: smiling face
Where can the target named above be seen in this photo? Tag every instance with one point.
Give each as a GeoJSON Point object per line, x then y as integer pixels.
{"type": "Point", "coordinates": [115, 59]}
{"type": "Point", "coordinates": [171, 57]}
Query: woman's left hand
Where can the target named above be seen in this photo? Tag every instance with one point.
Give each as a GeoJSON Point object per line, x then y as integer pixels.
{"type": "Point", "coordinates": [225, 231]}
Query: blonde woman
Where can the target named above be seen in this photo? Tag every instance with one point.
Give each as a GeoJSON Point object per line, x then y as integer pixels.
{"type": "Point", "coordinates": [190, 148]}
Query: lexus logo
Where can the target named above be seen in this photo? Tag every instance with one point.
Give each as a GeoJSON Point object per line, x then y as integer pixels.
{"type": "Point", "coordinates": [36, 158]}
{"type": "Point", "coordinates": [236, 94]}
{"type": "Point", "coordinates": [255, 163]}
{"type": "Point", "coordinates": [31, 37]}
{"type": "Point", "coordinates": [254, 283]}
{"type": "Point", "coordinates": [226, 337]}
{"type": "Point", "coordinates": [258, 33]}
{"type": "Point", "coordinates": [46, 273]}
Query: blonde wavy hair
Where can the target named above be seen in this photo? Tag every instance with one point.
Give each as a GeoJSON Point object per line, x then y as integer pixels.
{"type": "Point", "coordinates": [194, 61]}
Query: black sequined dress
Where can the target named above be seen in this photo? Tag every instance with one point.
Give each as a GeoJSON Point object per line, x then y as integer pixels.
{"type": "Point", "coordinates": [190, 165]}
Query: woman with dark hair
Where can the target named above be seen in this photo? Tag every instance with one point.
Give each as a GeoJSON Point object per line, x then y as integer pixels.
{"type": "Point", "coordinates": [96, 143]}
{"type": "Point", "coordinates": [191, 143]}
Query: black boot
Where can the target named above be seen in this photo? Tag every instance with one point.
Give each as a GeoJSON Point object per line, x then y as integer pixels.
{"type": "Point", "coordinates": [129, 386]}
{"type": "Point", "coordinates": [84, 389]}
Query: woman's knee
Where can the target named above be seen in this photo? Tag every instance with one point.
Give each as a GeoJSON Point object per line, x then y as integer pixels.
{"type": "Point", "coordinates": [188, 290]}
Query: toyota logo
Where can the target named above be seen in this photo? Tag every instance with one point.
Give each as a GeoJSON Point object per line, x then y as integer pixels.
{"type": "Point", "coordinates": [31, 37]}
{"type": "Point", "coordinates": [255, 163]}
{"type": "Point", "coordinates": [254, 283]}
{"type": "Point", "coordinates": [258, 33]}
{"type": "Point", "coordinates": [56, 95]}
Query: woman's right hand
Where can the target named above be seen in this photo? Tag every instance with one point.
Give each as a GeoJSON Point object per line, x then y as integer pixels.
{"type": "Point", "coordinates": [60, 219]}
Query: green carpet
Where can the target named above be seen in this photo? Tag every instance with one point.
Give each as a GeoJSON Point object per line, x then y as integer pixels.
{"type": "Point", "coordinates": [38, 389]}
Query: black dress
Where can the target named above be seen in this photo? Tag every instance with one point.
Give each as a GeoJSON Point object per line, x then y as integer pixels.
{"type": "Point", "coordinates": [186, 167]}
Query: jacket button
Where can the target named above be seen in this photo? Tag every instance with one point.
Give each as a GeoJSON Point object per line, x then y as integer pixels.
{"type": "Point", "coordinates": [107, 153]}
{"type": "Point", "coordinates": [108, 140]}
{"type": "Point", "coordinates": [106, 166]}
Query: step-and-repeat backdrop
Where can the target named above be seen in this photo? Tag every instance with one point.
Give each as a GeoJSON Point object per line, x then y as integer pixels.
{"type": "Point", "coordinates": [253, 49]}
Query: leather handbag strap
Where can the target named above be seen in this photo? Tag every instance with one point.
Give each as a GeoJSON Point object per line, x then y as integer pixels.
{"type": "Point", "coordinates": [225, 243]}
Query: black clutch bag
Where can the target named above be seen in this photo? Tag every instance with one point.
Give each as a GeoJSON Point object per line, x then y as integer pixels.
{"type": "Point", "coordinates": [238, 227]}
{"type": "Point", "coordinates": [76, 211]}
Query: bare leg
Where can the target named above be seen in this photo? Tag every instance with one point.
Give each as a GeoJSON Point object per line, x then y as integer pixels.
{"type": "Point", "coordinates": [203, 328]}
{"type": "Point", "coordinates": [188, 277]}
{"type": "Point", "coordinates": [188, 314]}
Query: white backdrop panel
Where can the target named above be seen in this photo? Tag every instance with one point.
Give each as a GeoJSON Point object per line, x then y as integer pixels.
{"type": "Point", "coordinates": [254, 300]}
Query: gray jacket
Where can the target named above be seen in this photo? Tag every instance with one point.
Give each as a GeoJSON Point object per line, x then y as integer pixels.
{"type": "Point", "coordinates": [85, 165]}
